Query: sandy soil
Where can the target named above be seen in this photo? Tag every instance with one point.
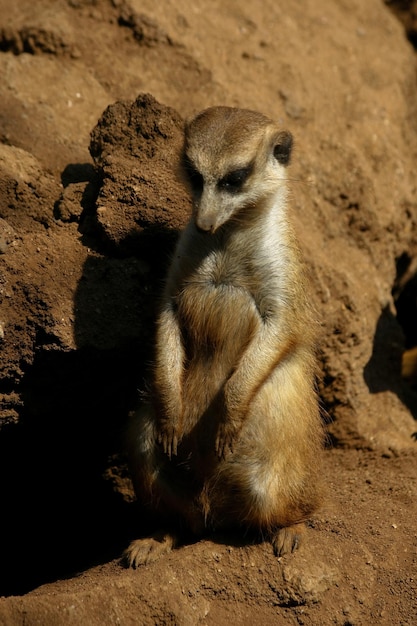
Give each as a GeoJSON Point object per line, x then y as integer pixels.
{"type": "Point", "coordinates": [90, 206]}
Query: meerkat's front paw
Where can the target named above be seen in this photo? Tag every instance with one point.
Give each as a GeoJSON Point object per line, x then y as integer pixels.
{"type": "Point", "coordinates": [227, 435]}
{"type": "Point", "coordinates": [169, 438]}
{"type": "Point", "coordinates": [288, 539]}
{"type": "Point", "coordinates": [148, 550]}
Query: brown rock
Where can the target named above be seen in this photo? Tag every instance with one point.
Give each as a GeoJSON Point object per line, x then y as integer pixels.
{"type": "Point", "coordinates": [137, 148]}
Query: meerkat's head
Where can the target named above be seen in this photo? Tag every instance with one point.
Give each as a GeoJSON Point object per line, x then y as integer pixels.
{"type": "Point", "coordinates": [235, 160]}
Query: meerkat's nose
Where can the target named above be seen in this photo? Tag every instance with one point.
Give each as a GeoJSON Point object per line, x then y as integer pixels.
{"type": "Point", "coordinates": [205, 224]}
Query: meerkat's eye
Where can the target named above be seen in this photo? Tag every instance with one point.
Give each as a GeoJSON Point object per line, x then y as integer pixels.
{"type": "Point", "coordinates": [233, 181]}
{"type": "Point", "coordinates": [196, 179]}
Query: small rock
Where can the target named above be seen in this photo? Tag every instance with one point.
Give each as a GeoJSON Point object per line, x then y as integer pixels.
{"type": "Point", "coordinates": [305, 583]}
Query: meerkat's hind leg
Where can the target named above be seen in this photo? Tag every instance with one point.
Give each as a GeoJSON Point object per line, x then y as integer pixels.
{"type": "Point", "coordinates": [150, 549]}
{"type": "Point", "coordinates": [288, 539]}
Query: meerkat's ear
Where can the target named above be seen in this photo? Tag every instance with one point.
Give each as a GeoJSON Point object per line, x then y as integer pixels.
{"type": "Point", "coordinates": [282, 146]}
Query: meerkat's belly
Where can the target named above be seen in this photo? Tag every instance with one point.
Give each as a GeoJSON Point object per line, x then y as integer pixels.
{"type": "Point", "coordinates": [217, 322]}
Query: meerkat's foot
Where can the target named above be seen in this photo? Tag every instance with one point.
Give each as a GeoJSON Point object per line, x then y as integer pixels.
{"type": "Point", "coordinates": [288, 539]}
{"type": "Point", "coordinates": [150, 549]}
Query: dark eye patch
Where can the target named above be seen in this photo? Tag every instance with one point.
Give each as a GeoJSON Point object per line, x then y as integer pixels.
{"type": "Point", "coordinates": [196, 179]}
{"type": "Point", "coordinates": [233, 181]}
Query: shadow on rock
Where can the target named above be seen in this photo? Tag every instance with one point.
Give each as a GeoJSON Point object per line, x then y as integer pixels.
{"type": "Point", "coordinates": [383, 370]}
{"type": "Point", "coordinates": [67, 497]}
{"type": "Point", "coordinates": [61, 513]}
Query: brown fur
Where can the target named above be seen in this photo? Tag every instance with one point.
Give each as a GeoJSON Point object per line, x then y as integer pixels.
{"type": "Point", "coordinates": [231, 436]}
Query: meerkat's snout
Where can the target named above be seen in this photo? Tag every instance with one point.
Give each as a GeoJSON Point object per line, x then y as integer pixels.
{"type": "Point", "coordinates": [218, 198]}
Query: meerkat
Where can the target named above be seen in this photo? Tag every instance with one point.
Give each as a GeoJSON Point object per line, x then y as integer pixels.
{"type": "Point", "coordinates": [230, 437]}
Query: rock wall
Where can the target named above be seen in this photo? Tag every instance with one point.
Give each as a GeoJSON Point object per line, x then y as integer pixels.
{"type": "Point", "coordinates": [84, 243]}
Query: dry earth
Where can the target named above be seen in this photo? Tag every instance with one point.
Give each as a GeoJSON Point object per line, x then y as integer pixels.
{"type": "Point", "coordinates": [92, 101]}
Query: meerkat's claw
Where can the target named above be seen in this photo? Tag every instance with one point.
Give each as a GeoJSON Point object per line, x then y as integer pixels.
{"type": "Point", "coordinates": [169, 441]}
{"type": "Point", "coordinates": [225, 440]}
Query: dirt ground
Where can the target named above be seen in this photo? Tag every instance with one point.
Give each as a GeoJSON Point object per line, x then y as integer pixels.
{"type": "Point", "coordinates": [92, 102]}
